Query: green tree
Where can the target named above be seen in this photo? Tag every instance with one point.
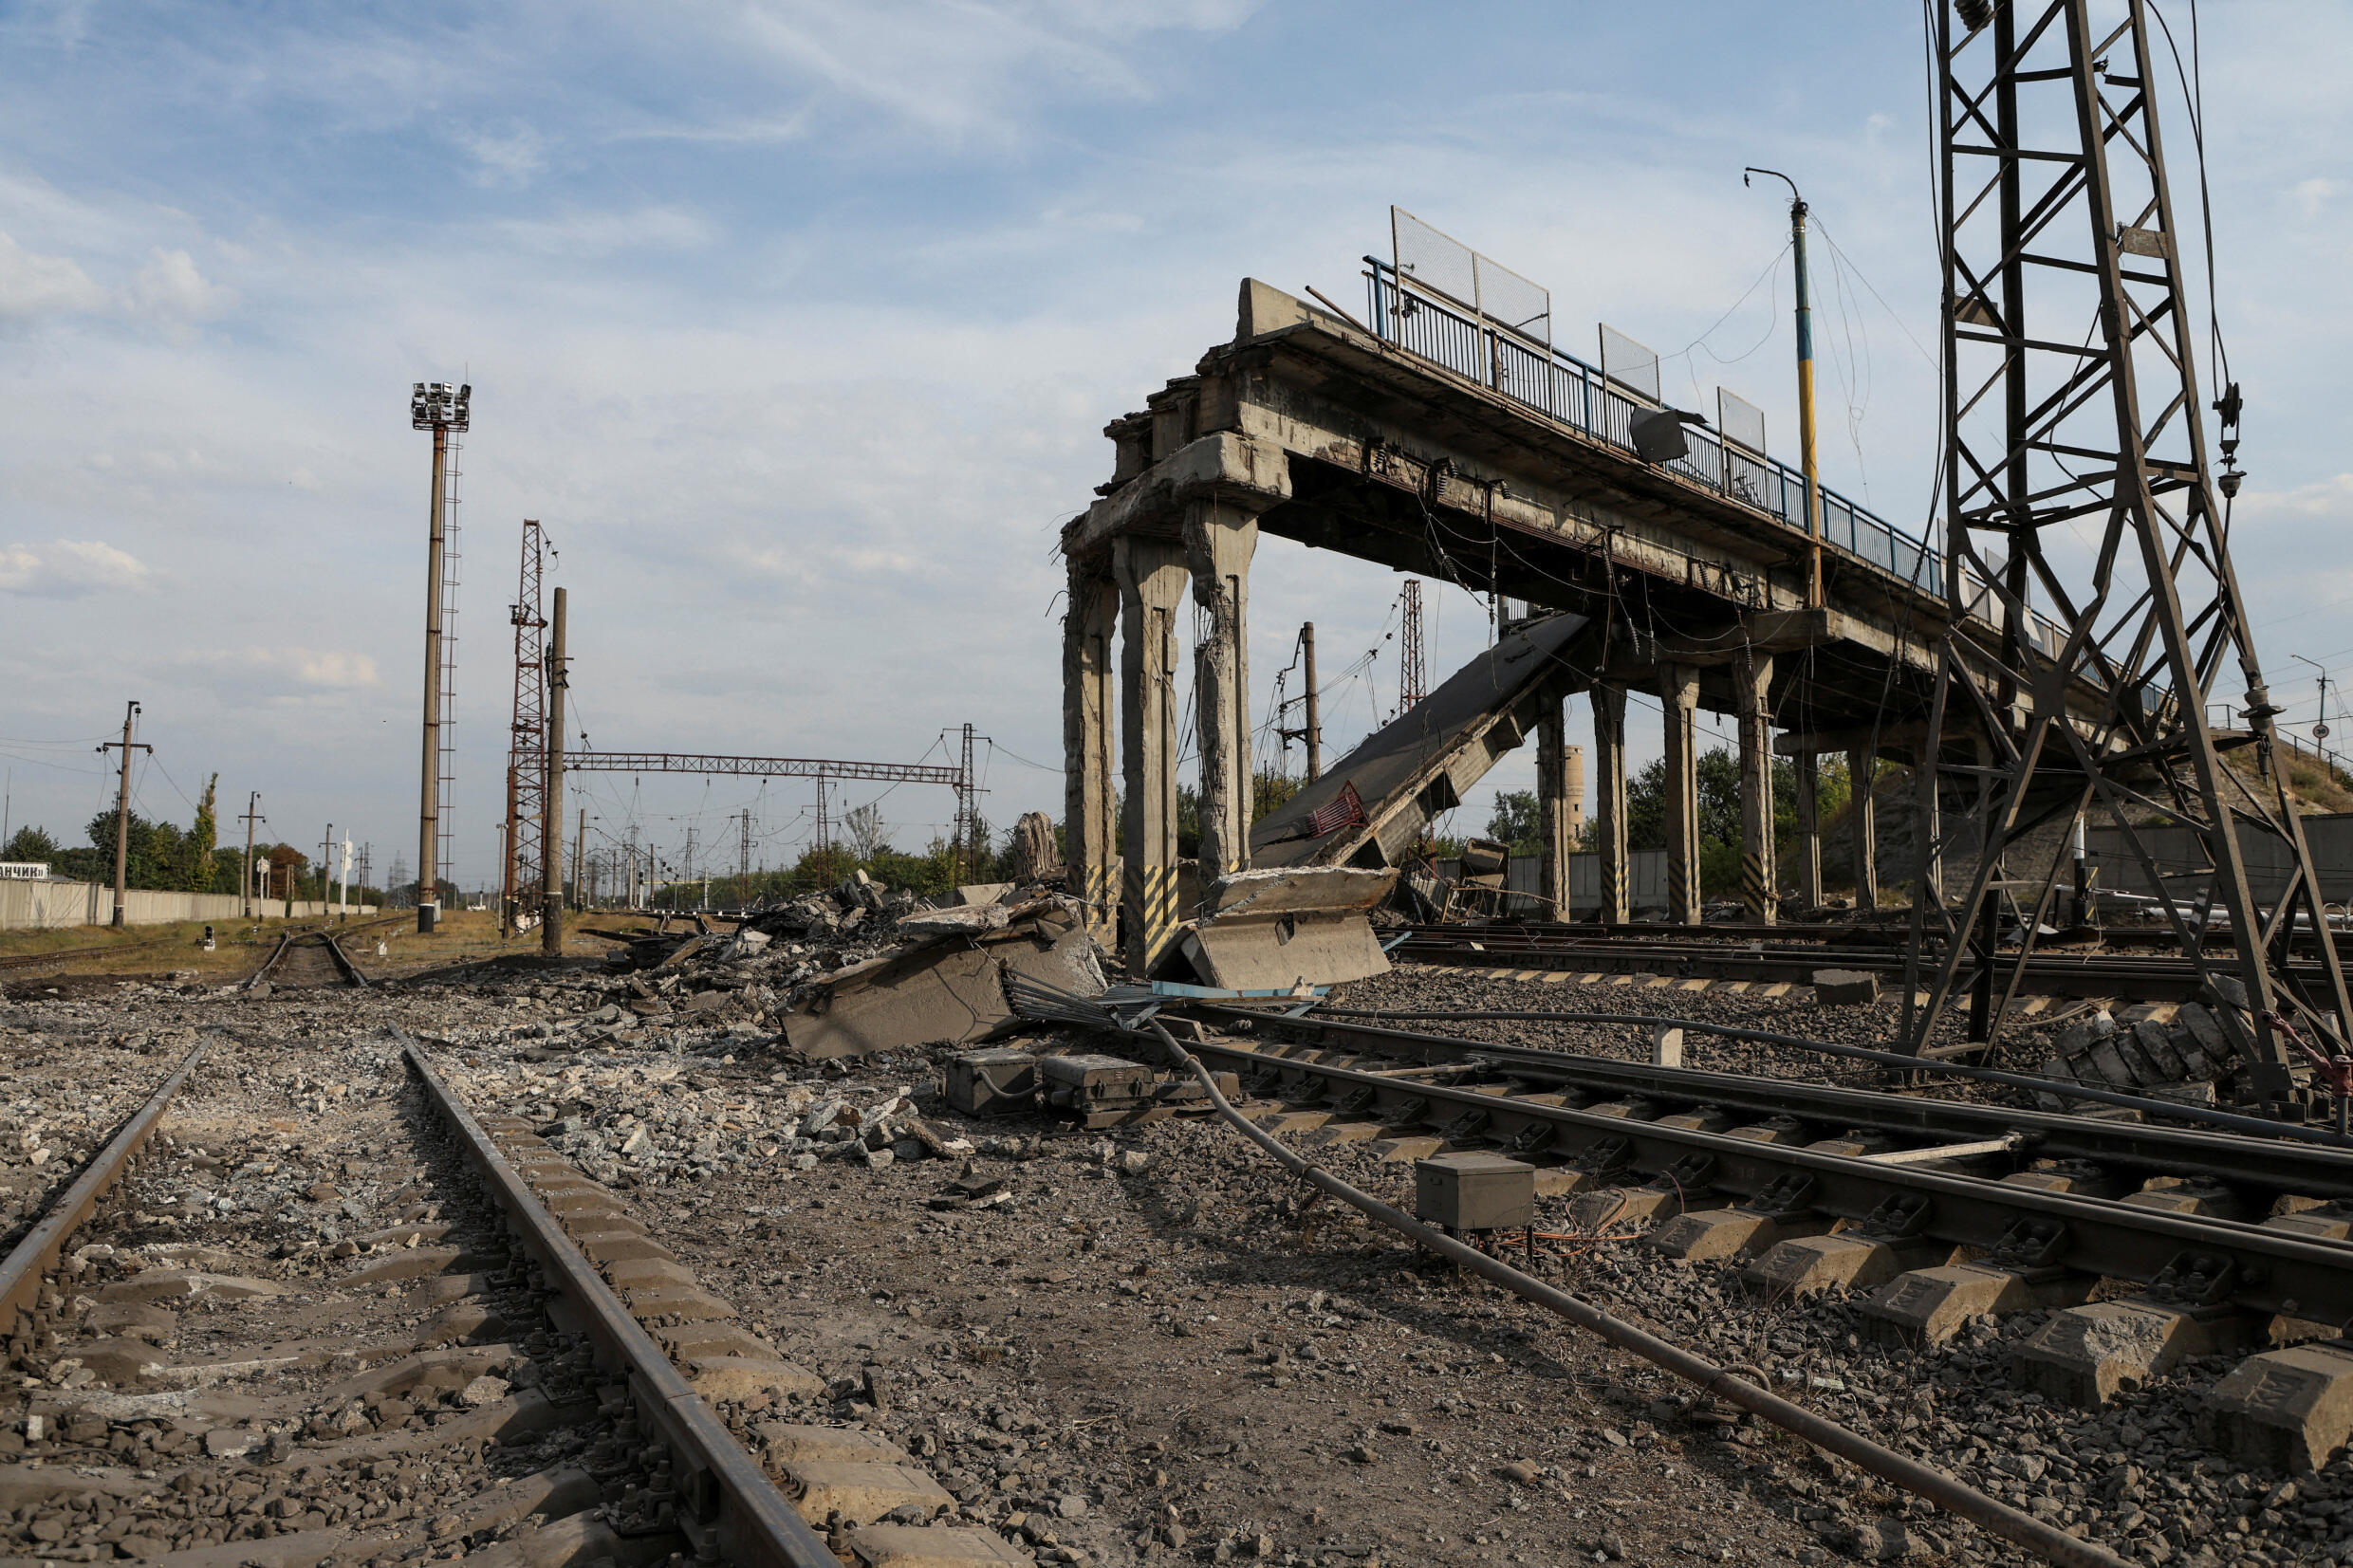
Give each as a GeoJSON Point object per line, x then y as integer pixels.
{"type": "Point", "coordinates": [29, 843]}
{"type": "Point", "coordinates": [203, 839]}
{"type": "Point", "coordinates": [1518, 820]}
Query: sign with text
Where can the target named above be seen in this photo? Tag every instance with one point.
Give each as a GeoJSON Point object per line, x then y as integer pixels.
{"type": "Point", "coordinates": [23, 871]}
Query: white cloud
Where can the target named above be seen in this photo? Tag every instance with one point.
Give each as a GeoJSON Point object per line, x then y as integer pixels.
{"type": "Point", "coordinates": [34, 285]}
{"type": "Point", "coordinates": [319, 668]}
{"type": "Point", "coordinates": [593, 234]}
{"type": "Point", "coordinates": [69, 568]}
{"type": "Point", "coordinates": [511, 161]}
{"type": "Point", "coordinates": [972, 69]}
{"type": "Point", "coordinates": [171, 289]}
{"type": "Point", "coordinates": [2314, 194]}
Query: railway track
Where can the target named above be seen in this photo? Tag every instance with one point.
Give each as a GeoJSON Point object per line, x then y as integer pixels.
{"type": "Point", "coordinates": [309, 959]}
{"type": "Point", "coordinates": [2148, 1244]}
{"type": "Point", "coordinates": [248, 1333]}
{"type": "Point", "coordinates": [1744, 954]}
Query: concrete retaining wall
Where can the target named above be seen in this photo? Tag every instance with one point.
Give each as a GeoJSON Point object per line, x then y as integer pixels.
{"type": "Point", "coordinates": [44, 906]}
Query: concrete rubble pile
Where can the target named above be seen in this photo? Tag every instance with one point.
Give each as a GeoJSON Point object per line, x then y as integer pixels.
{"type": "Point", "coordinates": [852, 971]}
{"type": "Point", "coordinates": [2190, 1059]}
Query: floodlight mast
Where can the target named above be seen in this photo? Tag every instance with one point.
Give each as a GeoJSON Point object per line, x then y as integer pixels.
{"type": "Point", "coordinates": [2052, 179]}
{"type": "Point", "coordinates": [440, 408]}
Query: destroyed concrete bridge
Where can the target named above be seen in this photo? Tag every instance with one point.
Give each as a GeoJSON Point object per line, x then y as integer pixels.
{"type": "Point", "coordinates": [1443, 443]}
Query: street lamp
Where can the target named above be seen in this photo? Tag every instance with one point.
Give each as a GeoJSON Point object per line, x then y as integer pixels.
{"type": "Point", "coordinates": [1804, 390]}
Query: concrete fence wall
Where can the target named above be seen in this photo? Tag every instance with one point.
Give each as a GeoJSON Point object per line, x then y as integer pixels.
{"type": "Point", "coordinates": [2183, 863]}
{"type": "Point", "coordinates": [1647, 884]}
{"type": "Point", "coordinates": [44, 906]}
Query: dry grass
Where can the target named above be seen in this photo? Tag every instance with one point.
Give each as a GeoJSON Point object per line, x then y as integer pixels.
{"type": "Point", "coordinates": [241, 945]}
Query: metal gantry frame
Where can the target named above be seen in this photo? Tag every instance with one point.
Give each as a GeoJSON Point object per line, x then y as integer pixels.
{"type": "Point", "coordinates": [2076, 469]}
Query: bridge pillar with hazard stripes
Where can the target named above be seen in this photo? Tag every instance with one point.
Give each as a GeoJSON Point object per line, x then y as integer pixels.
{"type": "Point", "coordinates": [1090, 800]}
{"type": "Point", "coordinates": [1609, 799]}
{"type": "Point", "coordinates": [1759, 876]}
{"type": "Point", "coordinates": [1861, 767]}
{"type": "Point", "coordinates": [1678, 697]}
{"type": "Point", "coordinates": [1809, 846]}
{"type": "Point", "coordinates": [1220, 539]}
{"type": "Point", "coordinates": [1152, 579]}
{"type": "Point", "coordinates": [1559, 794]}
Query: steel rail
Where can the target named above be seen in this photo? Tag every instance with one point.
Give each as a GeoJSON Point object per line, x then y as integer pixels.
{"type": "Point", "coordinates": [728, 1504]}
{"type": "Point", "coordinates": [2275, 1272]}
{"type": "Point", "coordinates": [2068, 1088]}
{"type": "Point", "coordinates": [285, 940]}
{"type": "Point", "coordinates": [343, 960]}
{"type": "Point", "coordinates": [1956, 1497]}
{"type": "Point", "coordinates": [29, 1260]}
{"type": "Point", "coordinates": [2306, 1171]}
{"type": "Point", "coordinates": [2143, 978]}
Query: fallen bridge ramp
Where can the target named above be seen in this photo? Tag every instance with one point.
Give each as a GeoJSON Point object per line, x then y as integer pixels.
{"type": "Point", "coordinates": [1372, 806]}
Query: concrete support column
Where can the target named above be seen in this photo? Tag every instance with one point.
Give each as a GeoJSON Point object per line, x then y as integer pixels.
{"type": "Point", "coordinates": [1090, 800]}
{"type": "Point", "coordinates": [1151, 585]}
{"type": "Point", "coordinates": [1860, 765]}
{"type": "Point", "coordinates": [1219, 540]}
{"type": "Point", "coordinates": [1557, 797]}
{"type": "Point", "coordinates": [1609, 797]}
{"type": "Point", "coordinates": [1759, 874]}
{"type": "Point", "coordinates": [1678, 694]}
{"type": "Point", "coordinates": [1928, 891]}
{"type": "Point", "coordinates": [1809, 831]}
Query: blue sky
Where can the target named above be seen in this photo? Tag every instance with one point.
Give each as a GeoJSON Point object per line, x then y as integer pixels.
{"type": "Point", "coordinates": [798, 325]}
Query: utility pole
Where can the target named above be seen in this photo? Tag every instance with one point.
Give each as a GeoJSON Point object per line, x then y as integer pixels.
{"type": "Point", "coordinates": [326, 863]}
{"type": "Point", "coordinates": [1315, 706]}
{"type": "Point", "coordinates": [245, 878]}
{"type": "Point", "coordinates": [551, 835]}
{"type": "Point", "coordinates": [122, 813]}
{"type": "Point", "coordinates": [1804, 390]}
{"type": "Point", "coordinates": [580, 837]}
{"type": "Point", "coordinates": [439, 409]}
{"type": "Point", "coordinates": [743, 862]}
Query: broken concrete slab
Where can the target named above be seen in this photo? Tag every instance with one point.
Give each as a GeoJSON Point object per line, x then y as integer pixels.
{"type": "Point", "coordinates": [1269, 930]}
{"type": "Point", "coordinates": [949, 988]}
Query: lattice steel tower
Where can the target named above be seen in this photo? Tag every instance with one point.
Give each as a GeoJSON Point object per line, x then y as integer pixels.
{"type": "Point", "coordinates": [1413, 666]}
{"type": "Point", "coordinates": [2077, 474]}
{"type": "Point", "coordinates": [527, 743]}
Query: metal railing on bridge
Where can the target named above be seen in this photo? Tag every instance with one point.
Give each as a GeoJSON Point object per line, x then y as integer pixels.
{"type": "Point", "coordinates": [1427, 323]}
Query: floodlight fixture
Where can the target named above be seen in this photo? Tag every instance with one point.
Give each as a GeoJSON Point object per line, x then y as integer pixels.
{"type": "Point", "coordinates": [1658, 434]}
{"type": "Point", "coordinates": [437, 405]}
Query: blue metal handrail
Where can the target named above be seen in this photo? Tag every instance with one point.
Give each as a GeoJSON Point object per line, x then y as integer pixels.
{"type": "Point", "coordinates": [1565, 389]}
